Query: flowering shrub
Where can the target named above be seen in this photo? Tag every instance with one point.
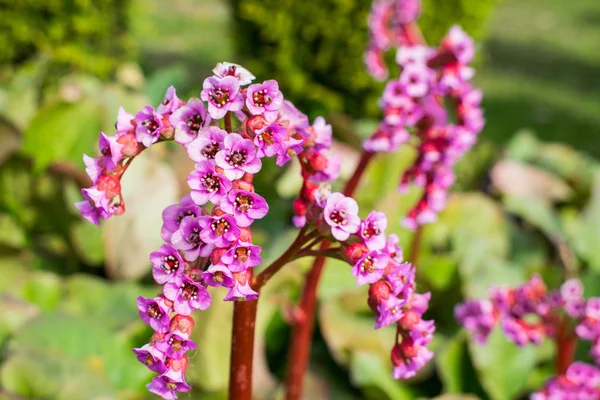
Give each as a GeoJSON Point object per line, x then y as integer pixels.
{"type": "Point", "coordinates": [228, 132]}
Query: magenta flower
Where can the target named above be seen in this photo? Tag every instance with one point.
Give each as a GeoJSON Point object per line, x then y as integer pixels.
{"type": "Point", "coordinates": [110, 150]}
{"type": "Point", "coordinates": [220, 231]}
{"type": "Point", "coordinates": [126, 123]}
{"type": "Point", "coordinates": [222, 95]}
{"type": "Point", "coordinates": [375, 63]}
{"type": "Point", "coordinates": [417, 54]}
{"type": "Point", "coordinates": [323, 134]}
{"type": "Point", "coordinates": [207, 144]}
{"type": "Point", "coordinates": [170, 103]}
{"type": "Point", "coordinates": [268, 140]}
{"type": "Point", "coordinates": [386, 139]}
{"type": "Point", "coordinates": [264, 98]}
{"type": "Point", "coordinates": [94, 206]}
{"type": "Point", "coordinates": [187, 295]}
{"type": "Point", "coordinates": [94, 167]}
{"type": "Point", "coordinates": [381, 12]}
{"type": "Point", "coordinates": [218, 275]}
{"type": "Point", "coordinates": [187, 238]}
{"type": "Point", "coordinates": [331, 169]}
{"type": "Point", "coordinates": [422, 332]}
{"type": "Point", "coordinates": [149, 126]}
{"type": "Point", "coordinates": [174, 346]}
{"type": "Point", "coordinates": [416, 80]}
{"type": "Point", "coordinates": [174, 214]}
{"type": "Point", "coordinates": [155, 313]}
{"type": "Point", "coordinates": [370, 268]}
{"type": "Point", "coordinates": [288, 150]}
{"type": "Point", "coordinates": [237, 157]}
{"type": "Point", "coordinates": [410, 359]}
{"type": "Point", "coordinates": [188, 120]}
{"type": "Point", "coordinates": [152, 358]}
{"type": "Point", "coordinates": [241, 256]}
{"type": "Point", "coordinates": [372, 230]}
{"type": "Point", "coordinates": [393, 249]}
{"type": "Point", "coordinates": [241, 288]}
{"type": "Point", "coordinates": [389, 311]}
{"type": "Point", "coordinates": [408, 10]}
{"type": "Point", "coordinates": [166, 387]}
{"type": "Point", "coordinates": [166, 264]}
{"type": "Point", "coordinates": [460, 44]}
{"type": "Point", "coordinates": [478, 317]}
{"type": "Point", "coordinates": [244, 206]}
{"type": "Point", "coordinates": [341, 214]}
{"type": "Point", "coordinates": [240, 73]}
{"type": "Point", "coordinates": [206, 184]}
{"type": "Point", "coordinates": [293, 119]}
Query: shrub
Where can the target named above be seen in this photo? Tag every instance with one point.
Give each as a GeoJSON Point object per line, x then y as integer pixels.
{"type": "Point", "coordinates": [314, 47]}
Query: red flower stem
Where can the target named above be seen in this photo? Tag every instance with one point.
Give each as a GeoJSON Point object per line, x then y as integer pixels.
{"type": "Point", "coordinates": [302, 329]}
{"type": "Point", "coordinates": [242, 350]}
{"type": "Point", "coordinates": [566, 341]}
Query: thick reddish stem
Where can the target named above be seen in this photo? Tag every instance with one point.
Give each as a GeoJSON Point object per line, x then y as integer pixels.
{"type": "Point", "coordinates": [415, 247]}
{"type": "Point", "coordinates": [242, 350]}
{"type": "Point", "coordinates": [302, 329]}
{"type": "Point", "coordinates": [566, 341]}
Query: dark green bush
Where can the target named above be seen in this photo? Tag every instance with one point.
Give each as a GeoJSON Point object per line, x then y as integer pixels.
{"type": "Point", "coordinates": [80, 35]}
{"type": "Point", "coordinates": [315, 47]}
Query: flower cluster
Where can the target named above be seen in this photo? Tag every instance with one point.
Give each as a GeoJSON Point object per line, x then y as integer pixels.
{"type": "Point", "coordinates": [580, 382]}
{"type": "Point", "coordinates": [430, 81]}
{"type": "Point", "coordinates": [208, 241]}
{"type": "Point", "coordinates": [377, 260]}
{"type": "Point", "coordinates": [529, 314]}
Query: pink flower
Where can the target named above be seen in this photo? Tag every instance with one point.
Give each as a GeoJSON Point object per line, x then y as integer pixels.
{"type": "Point", "coordinates": [206, 184]}
{"type": "Point", "coordinates": [244, 206]}
{"type": "Point", "coordinates": [241, 256]}
{"type": "Point", "coordinates": [187, 295]}
{"type": "Point", "coordinates": [207, 144]}
{"type": "Point", "coordinates": [152, 358]}
{"type": "Point", "coordinates": [370, 268]}
{"type": "Point", "coordinates": [166, 264]}
{"type": "Point", "coordinates": [175, 346]}
{"type": "Point", "coordinates": [220, 231]}
{"type": "Point", "coordinates": [155, 313]}
{"type": "Point", "coordinates": [218, 275]}
{"type": "Point", "coordinates": [149, 126]}
{"type": "Point", "coordinates": [240, 73]}
{"type": "Point", "coordinates": [170, 103]}
{"type": "Point", "coordinates": [372, 230]}
{"type": "Point", "coordinates": [264, 98]}
{"type": "Point", "coordinates": [222, 95]}
{"type": "Point", "coordinates": [237, 157]}
{"type": "Point", "coordinates": [174, 214]}
{"type": "Point", "coordinates": [188, 120]}
{"type": "Point", "coordinates": [341, 214]}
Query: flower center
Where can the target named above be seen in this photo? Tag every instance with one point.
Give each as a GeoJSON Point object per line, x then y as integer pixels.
{"type": "Point", "coordinates": [371, 230]}
{"type": "Point", "coordinates": [368, 265]}
{"type": "Point", "coordinates": [236, 158]}
{"type": "Point", "coordinates": [171, 385]}
{"type": "Point", "coordinates": [291, 152]}
{"type": "Point", "coordinates": [243, 203]}
{"type": "Point", "coordinates": [267, 138]}
{"type": "Point", "coordinates": [194, 122]}
{"type": "Point", "coordinates": [261, 98]}
{"type": "Point", "coordinates": [218, 276]}
{"type": "Point", "coordinates": [169, 264]}
{"type": "Point", "coordinates": [150, 124]}
{"type": "Point", "coordinates": [338, 217]}
{"type": "Point", "coordinates": [175, 344]}
{"type": "Point", "coordinates": [231, 70]}
{"type": "Point", "coordinates": [220, 227]}
{"type": "Point", "coordinates": [211, 183]}
{"type": "Point", "coordinates": [154, 311]}
{"type": "Point", "coordinates": [211, 150]}
{"type": "Point", "coordinates": [242, 254]}
{"type": "Point", "coordinates": [194, 237]}
{"type": "Point", "coordinates": [183, 214]}
{"type": "Point", "coordinates": [189, 291]}
{"type": "Point", "coordinates": [149, 360]}
{"type": "Point", "coordinates": [219, 97]}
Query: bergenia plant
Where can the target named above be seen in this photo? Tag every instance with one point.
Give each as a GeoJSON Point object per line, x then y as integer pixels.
{"type": "Point", "coordinates": [227, 132]}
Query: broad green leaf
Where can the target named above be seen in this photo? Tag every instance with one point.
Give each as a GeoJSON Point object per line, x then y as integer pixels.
{"type": "Point", "coordinates": [43, 289]}
{"type": "Point", "coordinates": [523, 146]}
{"type": "Point", "coordinates": [10, 139]}
{"type": "Point", "coordinates": [368, 369]}
{"type": "Point", "coordinates": [538, 213]}
{"type": "Point", "coordinates": [63, 131]}
{"type": "Point", "coordinates": [87, 239]}
{"type": "Point", "coordinates": [15, 313]}
{"type": "Point", "coordinates": [439, 269]}
{"type": "Point", "coordinates": [450, 362]}
{"type": "Point", "coordinates": [503, 367]}
{"type": "Point", "coordinates": [589, 234]}
{"type": "Point", "coordinates": [86, 340]}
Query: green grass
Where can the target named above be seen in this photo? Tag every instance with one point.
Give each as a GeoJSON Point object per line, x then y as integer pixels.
{"type": "Point", "coordinates": [540, 71]}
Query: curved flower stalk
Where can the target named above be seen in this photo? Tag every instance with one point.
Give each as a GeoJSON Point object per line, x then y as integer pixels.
{"type": "Point", "coordinates": [208, 238]}
{"type": "Point", "coordinates": [417, 103]}
{"type": "Point", "coordinates": [432, 102]}
{"type": "Point", "coordinates": [529, 314]}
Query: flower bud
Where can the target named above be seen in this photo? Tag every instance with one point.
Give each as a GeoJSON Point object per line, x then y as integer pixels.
{"type": "Point", "coordinates": [156, 337]}
{"type": "Point", "coordinates": [355, 252]}
{"type": "Point", "coordinates": [182, 323]}
{"type": "Point", "coordinates": [215, 256]}
{"type": "Point", "coordinates": [318, 162]}
{"type": "Point", "coordinates": [255, 124]}
{"type": "Point", "coordinates": [109, 184]}
{"type": "Point", "coordinates": [243, 185]}
{"type": "Point", "coordinates": [178, 365]}
{"type": "Point", "coordinates": [409, 320]}
{"type": "Point", "coordinates": [131, 146]}
{"type": "Point", "coordinates": [245, 235]}
{"type": "Point", "coordinates": [194, 274]}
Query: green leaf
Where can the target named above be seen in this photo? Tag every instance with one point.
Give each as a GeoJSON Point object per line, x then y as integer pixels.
{"type": "Point", "coordinates": [368, 369]}
{"type": "Point", "coordinates": [450, 361]}
{"type": "Point", "coordinates": [44, 289]}
{"type": "Point", "coordinates": [212, 333]}
{"type": "Point", "coordinates": [503, 367]}
{"type": "Point", "coordinates": [63, 131]}
{"type": "Point", "coordinates": [588, 235]}
{"type": "Point", "coordinates": [85, 340]}
{"type": "Point", "coordinates": [536, 212]}
{"type": "Point", "coordinates": [87, 239]}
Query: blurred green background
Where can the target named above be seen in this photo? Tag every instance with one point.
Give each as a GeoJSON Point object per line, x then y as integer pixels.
{"type": "Point", "coordinates": [67, 288]}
